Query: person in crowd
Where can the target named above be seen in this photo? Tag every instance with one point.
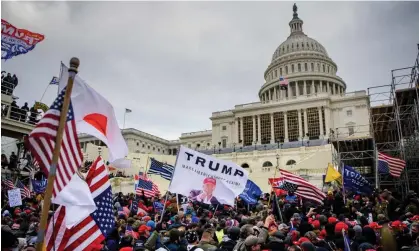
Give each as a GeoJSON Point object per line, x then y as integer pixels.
{"type": "Point", "coordinates": [33, 117]}
{"type": "Point", "coordinates": [14, 111]}
{"type": "Point", "coordinates": [13, 161]}
{"type": "Point", "coordinates": [4, 161]}
{"type": "Point", "coordinates": [14, 81]}
{"type": "Point", "coordinates": [206, 242]}
{"type": "Point", "coordinates": [24, 112]}
{"type": "Point", "coordinates": [7, 84]}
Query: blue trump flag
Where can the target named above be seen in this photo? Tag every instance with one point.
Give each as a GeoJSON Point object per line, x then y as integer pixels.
{"type": "Point", "coordinates": [251, 193]}
{"type": "Point", "coordinates": [39, 186]}
{"type": "Point", "coordinates": [354, 181]}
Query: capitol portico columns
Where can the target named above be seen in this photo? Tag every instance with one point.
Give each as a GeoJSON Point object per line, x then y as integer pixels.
{"type": "Point", "coordinates": [286, 126]}
{"type": "Point", "coordinates": [320, 122]}
{"type": "Point", "coordinates": [237, 130]}
{"type": "Point", "coordinates": [327, 120]}
{"type": "Point", "coordinates": [241, 130]}
{"type": "Point", "coordinates": [259, 133]}
{"type": "Point", "coordinates": [254, 129]}
{"type": "Point", "coordinates": [272, 129]}
{"type": "Point", "coordinates": [305, 88]}
{"type": "Point", "coordinates": [305, 123]}
{"type": "Point", "coordinates": [300, 125]}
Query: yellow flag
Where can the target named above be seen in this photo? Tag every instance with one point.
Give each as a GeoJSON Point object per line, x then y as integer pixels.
{"type": "Point", "coordinates": [332, 174]}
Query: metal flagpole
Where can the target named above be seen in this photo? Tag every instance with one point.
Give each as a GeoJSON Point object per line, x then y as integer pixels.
{"type": "Point", "coordinates": [276, 169]}
{"type": "Point", "coordinates": [125, 114]}
{"type": "Point", "coordinates": [74, 64]}
{"type": "Point", "coordinates": [376, 166]}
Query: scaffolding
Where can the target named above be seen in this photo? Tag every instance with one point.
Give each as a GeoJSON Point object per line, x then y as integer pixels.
{"type": "Point", "coordinates": [394, 120]}
{"type": "Point", "coordinates": [393, 129]}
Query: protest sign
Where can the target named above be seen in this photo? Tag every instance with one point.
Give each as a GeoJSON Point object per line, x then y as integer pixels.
{"type": "Point", "coordinates": [15, 199]}
{"type": "Point", "coordinates": [206, 179]}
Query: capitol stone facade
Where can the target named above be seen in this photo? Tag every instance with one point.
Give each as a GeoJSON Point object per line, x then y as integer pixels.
{"type": "Point", "coordinates": [289, 126]}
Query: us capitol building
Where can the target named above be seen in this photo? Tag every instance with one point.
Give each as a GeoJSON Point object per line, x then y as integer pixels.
{"type": "Point", "coordinates": [301, 105]}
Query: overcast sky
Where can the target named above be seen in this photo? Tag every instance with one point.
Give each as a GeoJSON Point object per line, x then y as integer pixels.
{"type": "Point", "coordinates": [174, 63]}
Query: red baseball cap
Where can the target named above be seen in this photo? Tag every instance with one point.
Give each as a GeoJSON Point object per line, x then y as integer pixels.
{"type": "Point", "coordinates": [210, 181]}
{"type": "Point", "coordinates": [397, 224]}
{"type": "Point", "coordinates": [415, 218]}
{"type": "Point", "coordinates": [332, 220]}
{"type": "Point", "coordinates": [339, 226]}
{"type": "Point", "coordinates": [316, 224]}
{"type": "Point", "coordinates": [301, 241]}
{"type": "Point", "coordinates": [374, 225]}
{"type": "Point", "coordinates": [143, 228]}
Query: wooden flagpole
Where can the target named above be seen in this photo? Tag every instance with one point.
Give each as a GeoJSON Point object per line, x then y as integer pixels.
{"type": "Point", "coordinates": [74, 64]}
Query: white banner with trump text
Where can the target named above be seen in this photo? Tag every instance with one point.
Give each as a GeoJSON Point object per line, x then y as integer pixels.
{"type": "Point", "coordinates": [206, 179]}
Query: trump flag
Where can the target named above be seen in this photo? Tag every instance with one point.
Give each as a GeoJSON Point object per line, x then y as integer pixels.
{"type": "Point", "coordinates": [209, 180]}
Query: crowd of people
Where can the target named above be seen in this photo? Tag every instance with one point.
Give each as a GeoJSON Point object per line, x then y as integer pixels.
{"type": "Point", "coordinates": [377, 221]}
{"type": "Point", "coordinates": [23, 113]}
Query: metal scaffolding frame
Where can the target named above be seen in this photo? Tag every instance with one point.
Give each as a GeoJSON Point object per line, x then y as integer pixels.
{"type": "Point", "coordinates": [394, 120]}
{"type": "Point", "coordinates": [393, 129]}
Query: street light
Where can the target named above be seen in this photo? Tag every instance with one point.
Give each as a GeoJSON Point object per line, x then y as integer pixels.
{"type": "Point", "coordinates": [234, 147]}
{"type": "Point", "coordinates": [219, 147]}
{"type": "Point", "coordinates": [197, 146]}
{"type": "Point", "coordinates": [214, 149]}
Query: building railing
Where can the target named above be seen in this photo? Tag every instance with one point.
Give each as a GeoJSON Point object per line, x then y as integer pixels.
{"type": "Point", "coordinates": [265, 147]}
{"type": "Point", "coordinates": [18, 114]}
{"type": "Point", "coordinates": [222, 113]}
{"type": "Point", "coordinates": [7, 88]}
{"type": "Point", "coordinates": [198, 133]}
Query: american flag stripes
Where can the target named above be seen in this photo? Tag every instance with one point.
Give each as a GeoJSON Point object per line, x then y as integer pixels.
{"type": "Point", "coordinates": [283, 82]}
{"type": "Point", "coordinates": [7, 184]}
{"type": "Point", "coordinates": [162, 169]}
{"type": "Point", "coordinates": [390, 165]}
{"type": "Point", "coordinates": [144, 184]}
{"type": "Point", "coordinates": [24, 191]}
{"type": "Point", "coordinates": [301, 187]}
{"type": "Point", "coordinates": [94, 228]}
{"type": "Point", "coordinates": [42, 143]}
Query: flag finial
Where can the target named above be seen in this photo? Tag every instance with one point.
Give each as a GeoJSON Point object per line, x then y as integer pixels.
{"type": "Point", "coordinates": [74, 64]}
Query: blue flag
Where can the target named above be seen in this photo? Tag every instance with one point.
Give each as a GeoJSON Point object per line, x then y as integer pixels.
{"type": "Point", "coordinates": [251, 193]}
{"type": "Point", "coordinates": [158, 206]}
{"type": "Point", "coordinates": [354, 181]}
{"type": "Point", "coordinates": [39, 186]}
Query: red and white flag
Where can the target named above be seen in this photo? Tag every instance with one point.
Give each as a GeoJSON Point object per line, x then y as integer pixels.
{"type": "Point", "coordinates": [69, 189]}
{"type": "Point", "coordinates": [95, 116]}
{"type": "Point", "coordinates": [93, 229]}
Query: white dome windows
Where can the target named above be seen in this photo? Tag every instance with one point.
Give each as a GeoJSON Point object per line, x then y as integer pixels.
{"type": "Point", "coordinates": [299, 67]}
{"type": "Point", "coordinates": [312, 66]}
{"type": "Point", "coordinates": [305, 67]}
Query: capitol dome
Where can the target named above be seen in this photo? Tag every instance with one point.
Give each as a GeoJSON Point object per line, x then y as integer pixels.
{"type": "Point", "coordinates": [300, 66]}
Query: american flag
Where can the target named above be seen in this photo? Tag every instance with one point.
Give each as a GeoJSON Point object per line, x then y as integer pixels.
{"type": "Point", "coordinates": [283, 82]}
{"type": "Point", "coordinates": [42, 143]}
{"type": "Point", "coordinates": [94, 228]}
{"type": "Point", "coordinates": [144, 184]}
{"type": "Point", "coordinates": [301, 187]}
{"type": "Point", "coordinates": [162, 169]}
{"type": "Point", "coordinates": [387, 164]}
{"type": "Point", "coordinates": [24, 191]}
{"type": "Point", "coordinates": [7, 184]}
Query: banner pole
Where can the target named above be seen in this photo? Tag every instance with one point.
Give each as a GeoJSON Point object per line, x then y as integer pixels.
{"type": "Point", "coordinates": [215, 211]}
{"type": "Point", "coordinates": [74, 64]}
{"type": "Point", "coordinates": [276, 169]}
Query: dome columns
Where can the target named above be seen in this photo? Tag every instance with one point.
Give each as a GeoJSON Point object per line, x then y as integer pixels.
{"type": "Point", "coordinates": [299, 88]}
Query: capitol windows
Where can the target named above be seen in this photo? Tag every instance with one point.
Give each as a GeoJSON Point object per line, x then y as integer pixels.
{"type": "Point", "coordinates": [324, 68]}
{"type": "Point", "coordinates": [154, 148]}
{"type": "Point", "coordinates": [291, 162]}
{"type": "Point", "coordinates": [279, 130]}
{"type": "Point", "coordinates": [328, 68]}
{"type": "Point", "coordinates": [276, 73]}
{"type": "Point", "coordinates": [318, 67]}
{"type": "Point", "coordinates": [349, 113]}
{"type": "Point", "coordinates": [292, 121]}
{"type": "Point", "coordinates": [299, 67]}
{"type": "Point", "coordinates": [313, 123]}
{"type": "Point", "coordinates": [224, 143]}
{"type": "Point", "coordinates": [280, 71]}
{"type": "Point", "coordinates": [224, 128]}
{"type": "Point", "coordinates": [312, 66]}
{"type": "Point", "coordinates": [305, 67]}
{"type": "Point", "coordinates": [351, 130]}
{"type": "Point", "coordinates": [138, 143]}
{"type": "Point", "coordinates": [286, 69]}
{"type": "Point", "coordinates": [292, 68]}
{"type": "Point", "coordinates": [143, 145]}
